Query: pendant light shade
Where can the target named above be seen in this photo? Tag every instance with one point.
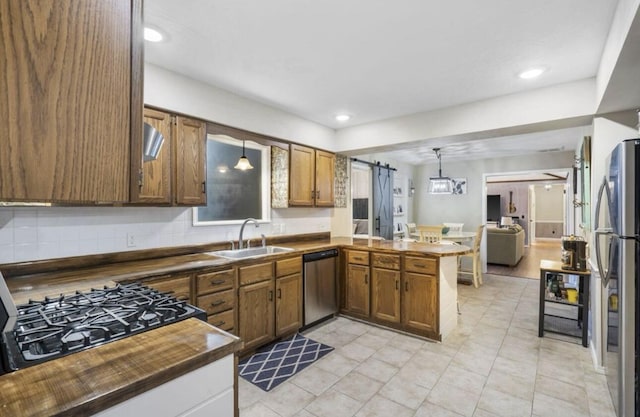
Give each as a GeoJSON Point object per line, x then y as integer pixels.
{"type": "Point", "coordinates": [439, 184]}
{"type": "Point", "coordinates": [243, 163]}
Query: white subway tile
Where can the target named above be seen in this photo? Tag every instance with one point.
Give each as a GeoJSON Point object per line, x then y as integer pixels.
{"type": "Point", "coordinates": [23, 235]}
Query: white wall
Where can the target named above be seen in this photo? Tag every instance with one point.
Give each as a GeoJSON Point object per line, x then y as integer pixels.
{"type": "Point", "coordinates": [176, 92]}
{"type": "Point", "coordinates": [467, 208]}
{"type": "Point", "coordinates": [549, 206]}
{"type": "Point", "coordinates": [565, 105]}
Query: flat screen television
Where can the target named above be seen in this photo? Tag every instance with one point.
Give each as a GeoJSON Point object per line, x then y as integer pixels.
{"type": "Point", "coordinates": [493, 208]}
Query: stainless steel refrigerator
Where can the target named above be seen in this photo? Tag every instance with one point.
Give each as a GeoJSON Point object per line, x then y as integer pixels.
{"type": "Point", "coordinates": [617, 247]}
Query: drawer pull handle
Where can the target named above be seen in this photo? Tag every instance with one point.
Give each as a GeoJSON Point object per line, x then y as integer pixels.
{"type": "Point", "coordinates": [220, 323]}
{"type": "Point", "coordinates": [217, 303]}
{"type": "Point", "coordinates": [397, 285]}
{"type": "Point", "coordinates": [279, 293]}
{"type": "Point", "coordinates": [270, 295]}
{"type": "Point", "coordinates": [406, 286]}
{"type": "Point", "coordinates": [217, 281]}
{"type": "Point", "coordinates": [420, 266]}
{"type": "Point", "coordinates": [366, 278]}
{"type": "Point", "coordinates": [357, 258]}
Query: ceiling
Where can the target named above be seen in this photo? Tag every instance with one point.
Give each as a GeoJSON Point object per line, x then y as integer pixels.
{"type": "Point", "coordinates": [374, 59]}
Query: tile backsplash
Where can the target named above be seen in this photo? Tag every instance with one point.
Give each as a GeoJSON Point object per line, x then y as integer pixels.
{"type": "Point", "coordinates": [32, 233]}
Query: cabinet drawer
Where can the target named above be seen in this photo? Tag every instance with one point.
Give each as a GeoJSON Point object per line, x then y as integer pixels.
{"type": "Point", "coordinates": [215, 281]}
{"type": "Point", "coordinates": [289, 266]}
{"type": "Point", "coordinates": [381, 260]}
{"type": "Point", "coordinates": [224, 320]}
{"type": "Point", "coordinates": [255, 273]}
{"type": "Point", "coordinates": [217, 302]}
{"type": "Point", "coordinates": [421, 265]}
{"type": "Point", "coordinates": [180, 287]}
{"type": "Point", "coordinates": [358, 257]}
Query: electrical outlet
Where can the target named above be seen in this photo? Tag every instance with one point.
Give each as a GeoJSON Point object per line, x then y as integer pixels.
{"type": "Point", "coordinates": [131, 240]}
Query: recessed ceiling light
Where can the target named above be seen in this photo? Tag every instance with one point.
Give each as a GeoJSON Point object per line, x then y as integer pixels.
{"type": "Point", "coordinates": [531, 73]}
{"type": "Point", "coordinates": [152, 35]}
{"type": "Point", "coordinates": [343, 117]}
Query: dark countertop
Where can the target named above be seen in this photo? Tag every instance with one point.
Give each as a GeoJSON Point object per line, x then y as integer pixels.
{"type": "Point", "coordinates": [95, 379]}
{"type": "Point", "coordinates": [58, 282]}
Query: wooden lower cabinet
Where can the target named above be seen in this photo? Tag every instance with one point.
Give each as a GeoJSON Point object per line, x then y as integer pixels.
{"type": "Point", "coordinates": [420, 303]}
{"type": "Point", "coordinates": [357, 289]}
{"type": "Point", "coordinates": [385, 294]}
{"type": "Point", "coordinates": [179, 286]}
{"type": "Point", "coordinates": [288, 304]}
{"type": "Point", "coordinates": [256, 313]}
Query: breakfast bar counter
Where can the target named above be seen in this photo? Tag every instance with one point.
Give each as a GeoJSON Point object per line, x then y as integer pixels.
{"type": "Point", "coordinates": [90, 381]}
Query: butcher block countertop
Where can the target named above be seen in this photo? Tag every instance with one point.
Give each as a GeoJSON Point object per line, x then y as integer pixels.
{"type": "Point", "coordinates": [86, 382]}
{"type": "Point", "coordinates": [62, 281]}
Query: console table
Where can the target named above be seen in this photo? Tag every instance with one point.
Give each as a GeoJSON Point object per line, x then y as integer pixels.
{"type": "Point", "coordinates": [553, 277]}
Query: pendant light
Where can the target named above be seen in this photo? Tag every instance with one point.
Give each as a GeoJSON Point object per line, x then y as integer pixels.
{"type": "Point", "coordinates": [243, 163]}
{"type": "Point", "coordinates": [439, 184]}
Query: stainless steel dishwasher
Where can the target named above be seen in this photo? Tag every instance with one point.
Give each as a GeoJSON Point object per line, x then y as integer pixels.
{"type": "Point", "coordinates": [319, 286]}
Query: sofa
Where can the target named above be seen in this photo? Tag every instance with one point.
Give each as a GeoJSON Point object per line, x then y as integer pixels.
{"type": "Point", "coordinates": [505, 245]}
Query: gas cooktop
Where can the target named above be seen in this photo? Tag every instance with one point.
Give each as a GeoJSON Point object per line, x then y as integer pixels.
{"type": "Point", "coordinates": [46, 329]}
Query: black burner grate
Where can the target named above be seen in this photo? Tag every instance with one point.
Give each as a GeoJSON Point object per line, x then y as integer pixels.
{"type": "Point", "coordinates": [58, 326]}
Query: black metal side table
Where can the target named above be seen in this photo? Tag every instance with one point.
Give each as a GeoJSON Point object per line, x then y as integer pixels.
{"type": "Point", "coordinates": [552, 279]}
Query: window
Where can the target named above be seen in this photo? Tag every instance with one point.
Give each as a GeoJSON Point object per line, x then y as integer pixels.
{"type": "Point", "coordinates": [234, 195]}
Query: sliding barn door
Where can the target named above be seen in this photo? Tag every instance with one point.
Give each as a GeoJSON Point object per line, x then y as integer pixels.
{"type": "Point", "coordinates": [383, 202]}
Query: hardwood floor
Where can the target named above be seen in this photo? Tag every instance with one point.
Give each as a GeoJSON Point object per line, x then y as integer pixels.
{"type": "Point", "coordinates": [529, 265]}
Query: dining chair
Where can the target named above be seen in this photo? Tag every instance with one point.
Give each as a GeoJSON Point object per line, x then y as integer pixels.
{"type": "Point", "coordinates": [476, 271]}
{"type": "Point", "coordinates": [454, 227]}
{"type": "Point", "coordinates": [430, 234]}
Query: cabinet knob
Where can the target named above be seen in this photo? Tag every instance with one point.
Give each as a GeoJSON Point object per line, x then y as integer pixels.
{"type": "Point", "coordinates": [279, 293]}
{"type": "Point", "coordinates": [204, 187]}
{"type": "Point", "coordinates": [406, 286]}
{"type": "Point", "coordinates": [397, 285]}
{"type": "Point", "coordinates": [270, 295]}
{"type": "Point", "coordinates": [366, 278]}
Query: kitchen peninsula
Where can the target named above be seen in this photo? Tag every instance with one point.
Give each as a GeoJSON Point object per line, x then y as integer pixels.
{"type": "Point", "coordinates": [103, 376]}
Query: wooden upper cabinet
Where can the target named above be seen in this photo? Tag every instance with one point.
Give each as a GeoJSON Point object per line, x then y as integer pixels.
{"type": "Point", "coordinates": [301, 176]}
{"type": "Point", "coordinates": [311, 177]}
{"type": "Point", "coordinates": [325, 174]}
{"type": "Point", "coordinates": [178, 175]}
{"type": "Point", "coordinates": [71, 98]}
{"type": "Point", "coordinates": [154, 177]}
{"type": "Point", "coordinates": [189, 141]}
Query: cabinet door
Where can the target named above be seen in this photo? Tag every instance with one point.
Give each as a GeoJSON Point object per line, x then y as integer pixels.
{"type": "Point", "coordinates": [385, 294]}
{"type": "Point", "coordinates": [358, 289]}
{"type": "Point", "coordinates": [301, 176]}
{"type": "Point", "coordinates": [420, 302]}
{"type": "Point", "coordinates": [67, 100]}
{"type": "Point", "coordinates": [154, 177]}
{"type": "Point", "coordinates": [288, 304]}
{"type": "Point", "coordinates": [256, 305]}
{"type": "Point", "coordinates": [190, 161]}
{"type": "Point", "coordinates": [324, 182]}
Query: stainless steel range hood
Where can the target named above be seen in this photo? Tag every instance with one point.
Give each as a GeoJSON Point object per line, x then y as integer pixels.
{"type": "Point", "coordinates": [152, 143]}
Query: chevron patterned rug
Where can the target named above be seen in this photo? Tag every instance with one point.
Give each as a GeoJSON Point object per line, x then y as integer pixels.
{"type": "Point", "coordinates": [274, 364]}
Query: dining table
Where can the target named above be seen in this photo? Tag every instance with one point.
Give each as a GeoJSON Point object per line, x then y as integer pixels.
{"type": "Point", "coordinates": [453, 236]}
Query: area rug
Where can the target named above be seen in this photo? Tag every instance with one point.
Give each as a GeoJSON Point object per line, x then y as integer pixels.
{"type": "Point", "coordinates": [274, 364]}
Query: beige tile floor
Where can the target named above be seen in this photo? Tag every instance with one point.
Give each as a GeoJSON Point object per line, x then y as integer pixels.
{"type": "Point", "coordinates": [493, 364]}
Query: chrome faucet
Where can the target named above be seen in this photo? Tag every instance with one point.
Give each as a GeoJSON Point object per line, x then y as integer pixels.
{"type": "Point", "coordinates": [240, 244]}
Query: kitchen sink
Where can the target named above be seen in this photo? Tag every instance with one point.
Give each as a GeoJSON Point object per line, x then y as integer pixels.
{"type": "Point", "coordinates": [250, 252]}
